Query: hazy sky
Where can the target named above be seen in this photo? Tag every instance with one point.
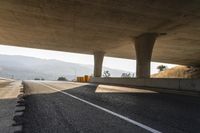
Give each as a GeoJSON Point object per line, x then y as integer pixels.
{"type": "Point", "coordinates": [116, 63]}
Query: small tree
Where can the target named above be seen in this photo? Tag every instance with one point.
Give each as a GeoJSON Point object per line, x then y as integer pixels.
{"type": "Point", "coordinates": [62, 79]}
{"type": "Point", "coordinates": [161, 68]}
{"type": "Point", "coordinates": [106, 74]}
{"type": "Point", "coordinates": [133, 75]}
{"type": "Point", "coordinates": [126, 75]}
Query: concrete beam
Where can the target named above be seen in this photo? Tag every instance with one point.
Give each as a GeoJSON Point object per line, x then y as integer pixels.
{"type": "Point", "coordinates": [143, 47]}
{"type": "Point", "coordinates": [98, 61]}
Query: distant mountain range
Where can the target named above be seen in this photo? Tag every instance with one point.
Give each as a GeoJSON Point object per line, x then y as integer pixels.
{"type": "Point", "coordinates": [22, 67]}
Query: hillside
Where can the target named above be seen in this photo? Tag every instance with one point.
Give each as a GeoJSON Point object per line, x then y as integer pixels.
{"type": "Point", "coordinates": [22, 67]}
{"type": "Point", "coordinates": [179, 72]}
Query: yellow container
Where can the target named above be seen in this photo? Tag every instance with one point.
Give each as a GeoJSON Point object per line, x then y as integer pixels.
{"type": "Point", "coordinates": [82, 79]}
{"type": "Point", "coordinates": [86, 78]}
{"type": "Point", "coordinates": [78, 79]}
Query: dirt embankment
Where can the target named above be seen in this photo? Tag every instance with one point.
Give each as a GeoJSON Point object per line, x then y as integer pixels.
{"type": "Point", "coordinates": [179, 72]}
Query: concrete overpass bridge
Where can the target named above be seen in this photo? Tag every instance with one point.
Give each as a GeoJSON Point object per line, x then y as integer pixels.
{"type": "Point", "coordinates": [163, 31]}
{"type": "Point", "coordinates": [146, 30]}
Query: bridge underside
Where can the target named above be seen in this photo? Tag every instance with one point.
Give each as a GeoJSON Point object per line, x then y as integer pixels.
{"type": "Point", "coordinates": [123, 28]}
{"type": "Point", "coordinates": [85, 26]}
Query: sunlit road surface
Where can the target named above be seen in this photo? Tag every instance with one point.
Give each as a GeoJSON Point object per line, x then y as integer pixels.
{"type": "Point", "coordinates": [61, 107]}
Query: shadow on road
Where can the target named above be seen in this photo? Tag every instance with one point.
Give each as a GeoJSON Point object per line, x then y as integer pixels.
{"type": "Point", "coordinates": [56, 112]}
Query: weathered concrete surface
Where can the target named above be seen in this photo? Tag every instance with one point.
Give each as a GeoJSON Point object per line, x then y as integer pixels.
{"type": "Point", "coordinates": [98, 62]}
{"type": "Point", "coordinates": [143, 48]}
{"type": "Point", "coordinates": [85, 26]}
{"type": "Point", "coordinates": [188, 84]}
{"type": "Point", "coordinates": [175, 84]}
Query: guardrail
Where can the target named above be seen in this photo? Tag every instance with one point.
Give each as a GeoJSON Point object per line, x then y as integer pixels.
{"type": "Point", "coordinates": [176, 84]}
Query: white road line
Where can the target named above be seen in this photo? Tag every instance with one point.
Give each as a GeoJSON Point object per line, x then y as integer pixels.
{"type": "Point", "coordinates": [106, 110]}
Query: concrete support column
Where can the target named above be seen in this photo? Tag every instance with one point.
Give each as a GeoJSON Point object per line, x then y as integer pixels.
{"type": "Point", "coordinates": [144, 46]}
{"type": "Point", "coordinates": [98, 60]}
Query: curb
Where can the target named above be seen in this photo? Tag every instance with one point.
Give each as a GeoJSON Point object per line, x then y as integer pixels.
{"type": "Point", "coordinates": [19, 111]}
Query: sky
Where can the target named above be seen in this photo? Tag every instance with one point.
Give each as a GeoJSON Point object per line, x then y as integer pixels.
{"type": "Point", "coordinates": [115, 63]}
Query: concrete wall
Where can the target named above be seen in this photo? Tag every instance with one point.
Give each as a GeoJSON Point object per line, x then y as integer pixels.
{"type": "Point", "coordinates": [176, 84]}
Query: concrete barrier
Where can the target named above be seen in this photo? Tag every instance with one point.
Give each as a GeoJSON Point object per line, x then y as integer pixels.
{"type": "Point", "coordinates": [162, 83]}
{"type": "Point", "coordinates": [190, 84]}
{"type": "Point", "coordinates": [176, 84]}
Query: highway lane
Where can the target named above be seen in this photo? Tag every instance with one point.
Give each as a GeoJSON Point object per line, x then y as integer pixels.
{"type": "Point", "coordinates": [56, 107]}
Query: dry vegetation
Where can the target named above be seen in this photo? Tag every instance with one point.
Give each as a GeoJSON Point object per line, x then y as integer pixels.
{"type": "Point", "coordinates": [179, 72]}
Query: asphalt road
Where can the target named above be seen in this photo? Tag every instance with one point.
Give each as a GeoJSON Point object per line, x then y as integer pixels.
{"type": "Point", "coordinates": [9, 90]}
{"type": "Point", "coordinates": [61, 107]}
